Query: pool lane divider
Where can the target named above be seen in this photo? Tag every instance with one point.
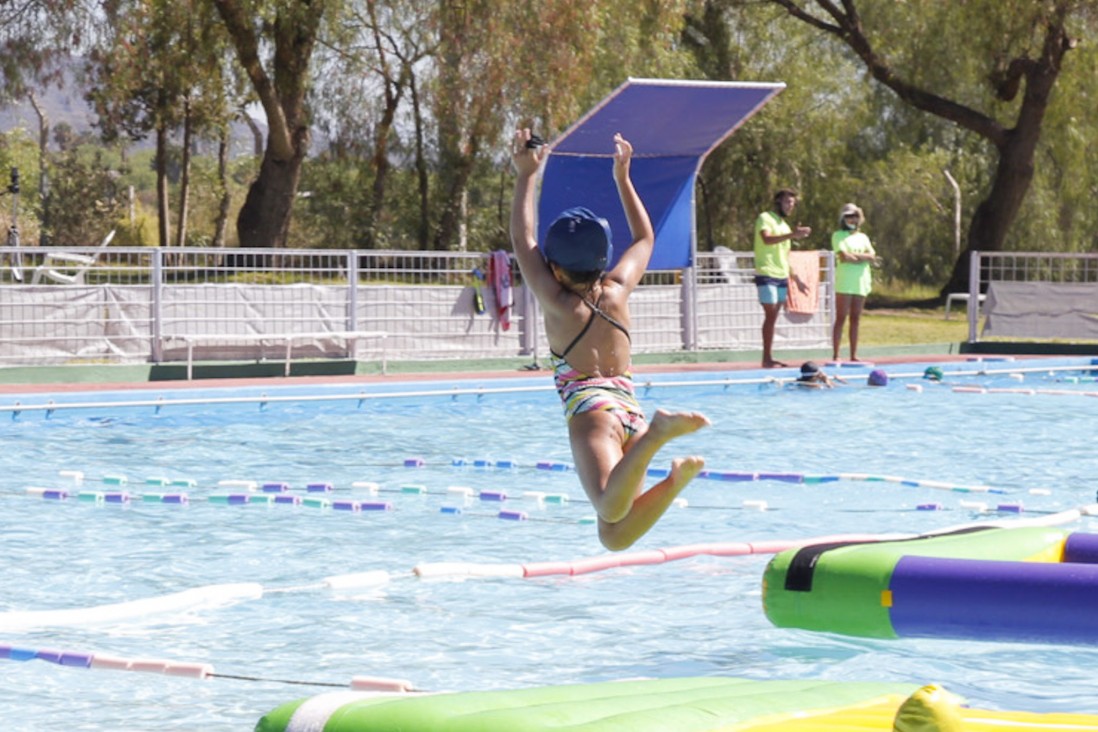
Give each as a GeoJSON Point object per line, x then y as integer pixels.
{"type": "Point", "coordinates": [736, 477]}
{"type": "Point", "coordinates": [538, 498]}
{"type": "Point", "coordinates": [186, 669]}
{"type": "Point", "coordinates": [223, 594]}
{"type": "Point", "coordinates": [78, 477]}
{"type": "Point", "coordinates": [121, 612]}
{"type": "Point", "coordinates": [318, 493]}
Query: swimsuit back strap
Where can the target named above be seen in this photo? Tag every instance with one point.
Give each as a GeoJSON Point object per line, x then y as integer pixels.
{"type": "Point", "coordinates": [595, 310]}
{"type": "Point", "coordinates": [581, 334]}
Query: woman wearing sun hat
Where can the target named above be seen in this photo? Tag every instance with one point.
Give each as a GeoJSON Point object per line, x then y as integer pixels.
{"type": "Point", "coordinates": [585, 299]}
{"type": "Point", "coordinates": [854, 254]}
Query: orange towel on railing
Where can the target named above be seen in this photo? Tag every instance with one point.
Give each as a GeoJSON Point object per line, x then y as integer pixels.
{"type": "Point", "coordinates": [499, 278]}
{"type": "Point", "coordinates": [804, 266]}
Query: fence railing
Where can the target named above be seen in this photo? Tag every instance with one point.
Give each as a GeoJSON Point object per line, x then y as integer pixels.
{"type": "Point", "coordinates": [1033, 295]}
{"type": "Point", "coordinates": [118, 304]}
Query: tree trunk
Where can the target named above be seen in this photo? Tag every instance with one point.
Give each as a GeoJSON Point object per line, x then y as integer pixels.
{"type": "Point", "coordinates": [257, 134]}
{"type": "Point", "coordinates": [264, 220]}
{"type": "Point", "coordinates": [423, 177]}
{"type": "Point", "coordinates": [185, 176]}
{"type": "Point", "coordinates": [162, 212]}
{"type": "Point", "coordinates": [454, 190]}
{"type": "Point", "coordinates": [43, 169]}
{"type": "Point", "coordinates": [222, 223]}
{"type": "Point", "coordinates": [994, 215]}
{"type": "Point", "coordinates": [1015, 169]}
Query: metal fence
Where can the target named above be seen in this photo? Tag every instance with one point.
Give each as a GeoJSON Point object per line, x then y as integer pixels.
{"type": "Point", "coordinates": [115, 304]}
{"type": "Point", "coordinates": [1033, 295]}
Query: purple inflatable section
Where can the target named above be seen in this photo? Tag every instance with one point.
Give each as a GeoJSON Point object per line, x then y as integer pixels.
{"type": "Point", "coordinates": [1081, 548]}
{"type": "Point", "coordinates": [995, 600]}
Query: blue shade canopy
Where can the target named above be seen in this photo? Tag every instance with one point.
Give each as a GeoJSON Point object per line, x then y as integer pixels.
{"type": "Point", "coordinates": [673, 126]}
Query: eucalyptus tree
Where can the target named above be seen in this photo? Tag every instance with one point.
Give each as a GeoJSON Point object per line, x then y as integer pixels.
{"type": "Point", "coordinates": [156, 68]}
{"type": "Point", "coordinates": [506, 62]}
{"type": "Point", "coordinates": [990, 67]}
{"type": "Point", "coordinates": [812, 136]}
{"type": "Point", "coordinates": [365, 100]}
{"type": "Point", "coordinates": [274, 42]}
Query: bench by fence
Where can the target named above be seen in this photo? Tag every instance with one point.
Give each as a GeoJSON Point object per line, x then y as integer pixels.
{"type": "Point", "coordinates": [287, 340]}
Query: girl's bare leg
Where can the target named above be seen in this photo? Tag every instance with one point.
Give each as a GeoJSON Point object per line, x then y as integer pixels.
{"type": "Point", "coordinates": [650, 505]}
{"type": "Point", "coordinates": [614, 480]}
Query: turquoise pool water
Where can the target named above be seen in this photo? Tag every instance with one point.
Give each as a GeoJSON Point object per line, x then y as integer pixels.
{"type": "Point", "coordinates": [87, 561]}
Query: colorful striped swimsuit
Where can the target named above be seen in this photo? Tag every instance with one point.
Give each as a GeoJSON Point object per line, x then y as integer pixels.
{"type": "Point", "coordinates": [581, 392]}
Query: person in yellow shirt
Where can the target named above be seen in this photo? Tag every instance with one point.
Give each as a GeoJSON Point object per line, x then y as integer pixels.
{"type": "Point", "coordinates": [773, 240]}
{"type": "Point", "coordinates": [854, 255]}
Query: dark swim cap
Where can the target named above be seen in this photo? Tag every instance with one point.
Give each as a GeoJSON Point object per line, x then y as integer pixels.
{"type": "Point", "coordinates": [933, 373]}
{"type": "Point", "coordinates": [877, 378]}
{"type": "Point", "coordinates": [809, 369]}
{"type": "Point", "coordinates": [579, 241]}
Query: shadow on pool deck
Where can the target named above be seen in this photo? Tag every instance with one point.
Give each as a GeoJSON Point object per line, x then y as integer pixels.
{"type": "Point", "coordinates": [91, 377]}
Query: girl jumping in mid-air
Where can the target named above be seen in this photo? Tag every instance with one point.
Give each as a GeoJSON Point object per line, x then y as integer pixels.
{"type": "Point", "coordinates": [587, 323]}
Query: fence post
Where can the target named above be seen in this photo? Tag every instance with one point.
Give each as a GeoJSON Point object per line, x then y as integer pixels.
{"type": "Point", "coordinates": [531, 321]}
{"type": "Point", "coordinates": [973, 294]}
{"type": "Point", "coordinates": [352, 290]}
{"type": "Point", "coordinates": [156, 281]}
{"type": "Point", "coordinates": [689, 308]}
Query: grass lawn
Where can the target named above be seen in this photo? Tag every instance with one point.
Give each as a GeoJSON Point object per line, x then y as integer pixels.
{"type": "Point", "coordinates": [906, 326]}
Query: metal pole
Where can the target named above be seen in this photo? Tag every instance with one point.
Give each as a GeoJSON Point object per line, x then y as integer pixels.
{"type": "Point", "coordinates": [156, 347]}
{"type": "Point", "coordinates": [973, 294]}
{"type": "Point", "coordinates": [956, 214]}
{"type": "Point", "coordinates": [352, 290]}
{"type": "Point", "coordinates": [689, 295]}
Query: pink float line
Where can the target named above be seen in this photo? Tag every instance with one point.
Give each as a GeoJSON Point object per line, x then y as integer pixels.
{"type": "Point", "coordinates": [659, 556]}
{"type": "Point", "coordinates": [99, 661]}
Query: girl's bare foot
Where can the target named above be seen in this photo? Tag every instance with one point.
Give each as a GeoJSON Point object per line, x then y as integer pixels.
{"type": "Point", "coordinates": [683, 470]}
{"type": "Point", "coordinates": [669, 425]}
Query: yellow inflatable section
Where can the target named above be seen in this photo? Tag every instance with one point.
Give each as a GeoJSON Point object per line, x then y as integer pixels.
{"type": "Point", "coordinates": [930, 709]}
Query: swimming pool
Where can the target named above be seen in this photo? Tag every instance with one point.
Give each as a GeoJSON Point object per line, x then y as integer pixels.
{"type": "Point", "coordinates": [692, 617]}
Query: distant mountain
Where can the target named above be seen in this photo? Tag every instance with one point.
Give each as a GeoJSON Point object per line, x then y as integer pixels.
{"type": "Point", "coordinates": [67, 106]}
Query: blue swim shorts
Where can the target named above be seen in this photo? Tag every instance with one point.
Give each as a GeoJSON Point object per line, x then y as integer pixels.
{"type": "Point", "coordinates": [772, 290]}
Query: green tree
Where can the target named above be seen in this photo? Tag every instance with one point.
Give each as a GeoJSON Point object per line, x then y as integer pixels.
{"type": "Point", "coordinates": [1005, 57]}
{"type": "Point", "coordinates": [85, 187]}
{"type": "Point", "coordinates": [289, 28]}
{"type": "Point", "coordinates": [368, 61]}
{"type": "Point", "coordinates": [505, 63]}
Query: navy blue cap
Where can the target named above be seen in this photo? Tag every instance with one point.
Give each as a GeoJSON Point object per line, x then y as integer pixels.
{"type": "Point", "coordinates": [579, 241]}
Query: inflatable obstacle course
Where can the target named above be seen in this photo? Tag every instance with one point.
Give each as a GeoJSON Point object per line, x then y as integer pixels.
{"type": "Point", "coordinates": [658, 705]}
{"type": "Point", "coordinates": [1031, 584]}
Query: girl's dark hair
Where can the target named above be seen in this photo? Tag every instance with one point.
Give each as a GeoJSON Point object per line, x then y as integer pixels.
{"type": "Point", "coordinates": [583, 278]}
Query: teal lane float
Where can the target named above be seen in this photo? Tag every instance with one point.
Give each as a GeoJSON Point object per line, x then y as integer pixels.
{"type": "Point", "coordinates": [1032, 584]}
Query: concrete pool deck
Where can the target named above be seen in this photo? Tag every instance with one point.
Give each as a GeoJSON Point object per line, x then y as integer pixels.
{"type": "Point", "coordinates": [102, 377]}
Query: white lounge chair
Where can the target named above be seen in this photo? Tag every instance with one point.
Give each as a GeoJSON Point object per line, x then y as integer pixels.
{"type": "Point", "coordinates": [726, 264]}
{"type": "Point", "coordinates": [68, 268]}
